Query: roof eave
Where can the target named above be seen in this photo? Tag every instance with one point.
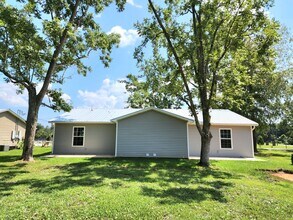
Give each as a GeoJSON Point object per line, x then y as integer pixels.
{"type": "Point", "coordinates": [81, 122]}
{"type": "Point", "coordinates": [229, 124]}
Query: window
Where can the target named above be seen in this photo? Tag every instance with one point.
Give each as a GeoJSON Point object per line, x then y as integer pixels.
{"type": "Point", "coordinates": [78, 136]}
{"type": "Point", "coordinates": [226, 138]}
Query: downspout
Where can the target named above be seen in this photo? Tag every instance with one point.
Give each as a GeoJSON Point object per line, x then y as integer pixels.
{"type": "Point", "coordinates": [252, 144]}
{"type": "Point", "coordinates": [116, 140]}
{"type": "Point", "coordinates": [53, 140]}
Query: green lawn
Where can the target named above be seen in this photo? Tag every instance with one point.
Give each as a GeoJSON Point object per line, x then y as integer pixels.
{"type": "Point", "coordinates": [278, 146]}
{"type": "Point", "coordinates": [74, 188]}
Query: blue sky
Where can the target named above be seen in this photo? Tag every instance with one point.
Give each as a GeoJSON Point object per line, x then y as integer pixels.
{"type": "Point", "coordinates": [101, 89]}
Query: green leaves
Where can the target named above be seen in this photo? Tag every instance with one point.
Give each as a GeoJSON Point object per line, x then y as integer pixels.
{"type": "Point", "coordinates": [44, 38]}
{"type": "Point", "coordinates": [204, 35]}
{"type": "Point", "coordinates": [57, 103]}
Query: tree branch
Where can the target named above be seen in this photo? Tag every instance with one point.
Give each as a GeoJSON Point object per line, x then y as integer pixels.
{"type": "Point", "coordinates": [56, 53]}
{"type": "Point", "coordinates": [226, 47]}
{"type": "Point", "coordinates": [168, 38]}
{"type": "Point", "coordinates": [14, 79]}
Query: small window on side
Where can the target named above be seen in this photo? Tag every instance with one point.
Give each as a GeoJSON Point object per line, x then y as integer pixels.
{"type": "Point", "coordinates": [226, 139]}
{"type": "Point", "coordinates": [78, 136]}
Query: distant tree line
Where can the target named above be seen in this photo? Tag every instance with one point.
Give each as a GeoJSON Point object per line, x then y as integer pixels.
{"type": "Point", "coordinates": [44, 132]}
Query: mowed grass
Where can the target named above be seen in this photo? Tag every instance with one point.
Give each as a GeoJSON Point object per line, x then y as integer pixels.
{"type": "Point", "coordinates": [83, 188]}
{"type": "Point", "coordinates": [278, 146]}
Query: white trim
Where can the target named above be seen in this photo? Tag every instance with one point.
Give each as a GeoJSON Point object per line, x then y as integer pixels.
{"type": "Point", "coordinates": [149, 109]}
{"type": "Point", "coordinates": [53, 141]}
{"type": "Point", "coordinates": [220, 144]}
{"type": "Point", "coordinates": [223, 124]}
{"type": "Point", "coordinates": [187, 130]}
{"type": "Point", "coordinates": [83, 143]}
{"type": "Point", "coordinates": [116, 141]}
{"type": "Point", "coordinates": [236, 124]}
{"type": "Point", "coordinates": [251, 133]}
{"type": "Point", "coordinates": [81, 122]}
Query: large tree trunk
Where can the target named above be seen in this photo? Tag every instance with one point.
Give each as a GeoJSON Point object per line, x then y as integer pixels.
{"type": "Point", "coordinates": [31, 124]}
{"type": "Point", "coordinates": [206, 138]}
{"type": "Point", "coordinates": [205, 150]}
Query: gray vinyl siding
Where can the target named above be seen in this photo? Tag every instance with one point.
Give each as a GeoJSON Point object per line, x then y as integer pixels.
{"type": "Point", "coordinates": [99, 139]}
{"type": "Point", "coordinates": [241, 141]}
{"type": "Point", "coordinates": [9, 123]}
{"type": "Point", "coordinates": [152, 132]}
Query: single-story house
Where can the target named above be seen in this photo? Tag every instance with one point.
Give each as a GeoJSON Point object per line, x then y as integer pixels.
{"type": "Point", "coordinates": [12, 127]}
{"type": "Point", "coordinates": [150, 132]}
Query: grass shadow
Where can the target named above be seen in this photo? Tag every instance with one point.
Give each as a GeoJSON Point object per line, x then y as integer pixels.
{"type": "Point", "coordinates": [12, 158]}
{"type": "Point", "coordinates": [7, 173]}
{"type": "Point", "coordinates": [156, 178]}
{"type": "Point", "coordinates": [207, 190]}
{"type": "Point", "coordinates": [9, 158]}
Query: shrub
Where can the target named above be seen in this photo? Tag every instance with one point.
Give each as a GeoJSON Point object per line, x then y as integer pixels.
{"type": "Point", "coordinates": [20, 144]}
{"type": "Point", "coordinates": [260, 140]}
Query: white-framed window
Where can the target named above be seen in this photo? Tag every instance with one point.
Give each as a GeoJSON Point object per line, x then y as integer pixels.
{"type": "Point", "coordinates": [16, 135]}
{"type": "Point", "coordinates": [226, 141]}
{"type": "Point", "coordinates": [78, 135]}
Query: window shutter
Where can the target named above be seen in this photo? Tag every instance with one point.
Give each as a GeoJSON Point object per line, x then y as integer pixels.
{"type": "Point", "coordinates": [13, 135]}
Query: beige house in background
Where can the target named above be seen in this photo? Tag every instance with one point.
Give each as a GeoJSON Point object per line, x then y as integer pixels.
{"type": "Point", "coordinates": [12, 127]}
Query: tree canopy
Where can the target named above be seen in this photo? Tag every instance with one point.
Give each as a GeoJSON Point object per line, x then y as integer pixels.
{"type": "Point", "coordinates": [41, 40]}
{"type": "Point", "coordinates": [156, 87]}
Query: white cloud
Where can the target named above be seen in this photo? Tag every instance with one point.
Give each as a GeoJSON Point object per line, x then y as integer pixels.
{"type": "Point", "coordinates": [40, 85]}
{"type": "Point", "coordinates": [98, 15]}
{"type": "Point", "coordinates": [127, 37]}
{"type": "Point", "coordinates": [131, 2]}
{"type": "Point", "coordinates": [9, 96]}
{"type": "Point", "coordinates": [112, 94]}
{"type": "Point", "coordinates": [66, 97]}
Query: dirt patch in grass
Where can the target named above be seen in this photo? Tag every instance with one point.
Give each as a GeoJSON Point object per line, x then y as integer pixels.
{"type": "Point", "coordinates": [284, 175]}
{"type": "Point", "coordinates": [280, 173]}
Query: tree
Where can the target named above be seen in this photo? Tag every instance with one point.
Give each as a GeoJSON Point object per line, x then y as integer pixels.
{"type": "Point", "coordinates": [196, 37]}
{"type": "Point", "coordinates": [285, 66]}
{"type": "Point", "coordinates": [257, 80]}
{"type": "Point", "coordinates": [39, 42]}
{"type": "Point", "coordinates": [284, 127]}
{"type": "Point", "coordinates": [250, 85]}
{"type": "Point", "coordinates": [44, 133]}
{"type": "Point", "coordinates": [154, 88]}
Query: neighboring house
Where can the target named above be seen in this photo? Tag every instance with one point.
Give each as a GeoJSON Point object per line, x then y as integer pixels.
{"type": "Point", "coordinates": [12, 127]}
{"type": "Point", "coordinates": [150, 132]}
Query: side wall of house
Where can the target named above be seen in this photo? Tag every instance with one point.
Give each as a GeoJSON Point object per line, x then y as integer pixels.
{"type": "Point", "coordinates": [8, 124]}
{"type": "Point", "coordinates": [241, 141]}
{"type": "Point", "coordinates": [152, 134]}
{"type": "Point", "coordinates": [99, 139]}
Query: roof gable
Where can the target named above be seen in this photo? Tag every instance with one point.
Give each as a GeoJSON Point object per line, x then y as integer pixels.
{"type": "Point", "coordinates": [13, 113]}
{"type": "Point", "coordinates": [162, 111]}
